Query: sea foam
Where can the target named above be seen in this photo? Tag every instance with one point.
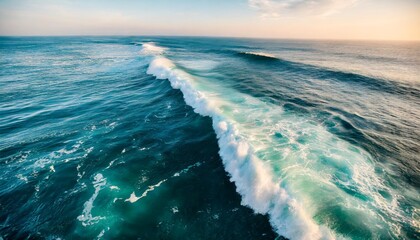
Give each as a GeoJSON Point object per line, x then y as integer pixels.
{"type": "Point", "coordinates": [86, 217]}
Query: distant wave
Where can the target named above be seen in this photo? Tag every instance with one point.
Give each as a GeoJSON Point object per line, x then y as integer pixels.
{"type": "Point", "coordinates": [261, 55]}
{"type": "Point", "coordinates": [374, 83]}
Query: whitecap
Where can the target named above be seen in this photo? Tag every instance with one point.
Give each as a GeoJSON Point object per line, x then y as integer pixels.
{"type": "Point", "coordinates": [261, 54]}
{"type": "Point", "coordinates": [151, 49]}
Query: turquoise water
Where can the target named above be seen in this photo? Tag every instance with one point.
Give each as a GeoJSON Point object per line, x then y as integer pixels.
{"type": "Point", "coordinates": [208, 138]}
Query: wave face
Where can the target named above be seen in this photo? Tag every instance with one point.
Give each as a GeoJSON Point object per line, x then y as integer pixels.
{"type": "Point", "coordinates": [312, 183]}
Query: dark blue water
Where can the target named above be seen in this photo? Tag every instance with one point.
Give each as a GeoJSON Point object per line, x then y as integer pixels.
{"type": "Point", "coordinates": [249, 139]}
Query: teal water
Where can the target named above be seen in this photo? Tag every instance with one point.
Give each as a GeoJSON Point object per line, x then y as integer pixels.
{"type": "Point", "coordinates": [208, 138]}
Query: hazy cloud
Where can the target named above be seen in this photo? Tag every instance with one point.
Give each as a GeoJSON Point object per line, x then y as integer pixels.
{"type": "Point", "coordinates": [277, 8]}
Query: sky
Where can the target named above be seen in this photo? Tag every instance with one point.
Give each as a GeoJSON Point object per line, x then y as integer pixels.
{"type": "Point", "coordinates": [299, 19]}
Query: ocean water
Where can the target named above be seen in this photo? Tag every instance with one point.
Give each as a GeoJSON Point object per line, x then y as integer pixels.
{"type": "Point", "coordinates": [208, 138]}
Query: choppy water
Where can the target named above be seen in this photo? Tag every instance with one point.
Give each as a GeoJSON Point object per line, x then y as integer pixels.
{"type": "Point", "coordinates": [208, 138]}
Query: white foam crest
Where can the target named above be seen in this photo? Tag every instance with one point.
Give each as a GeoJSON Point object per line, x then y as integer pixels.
{"type": "Point", "coordinates": [261, 54]}
{"type": "Point", "coordinates": [86, 217]}
{"type": "Point", "coordinates": [151, 49]}
{"type": "Point", "coordinates": [163, 68]}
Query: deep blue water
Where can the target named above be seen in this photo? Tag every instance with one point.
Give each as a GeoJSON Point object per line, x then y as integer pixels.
{"type": "Point", "coordinates": [208, 138]}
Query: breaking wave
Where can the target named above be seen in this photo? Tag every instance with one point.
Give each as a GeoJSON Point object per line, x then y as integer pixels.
{"type": "Point", "coordinates": [312, 184]}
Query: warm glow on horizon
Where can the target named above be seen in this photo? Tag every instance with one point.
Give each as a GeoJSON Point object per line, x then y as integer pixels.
{"type": "Point", "coordinates": [333, 19]}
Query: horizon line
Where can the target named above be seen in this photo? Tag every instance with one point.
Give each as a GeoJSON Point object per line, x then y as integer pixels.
{"type": "Point", "coordinates": [220, 36]}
